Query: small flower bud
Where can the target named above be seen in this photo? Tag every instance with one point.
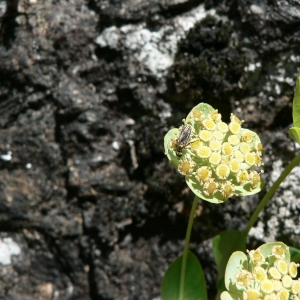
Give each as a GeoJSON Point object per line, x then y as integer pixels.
{"type": "Point", "coordinates": [278, 252]}
{"type": "Point", "coordinates": [256, 257]}
{"type": "Point", "coordinates": [209, 124]}
{"type": "Point", "coordinates": [271, 297]}
{"type": "Point", "coordinates": [197, 115]}
{"type": "Point", "coordinates": [295, 287]}
{"type": "Point", "coordinates": [258, 161]}
{"type": "Point", "coordinates": [227, 189]}
{"type": "Point", "coordinates": [223, 127]}
{"type": "Point", "coordinates": [234, 118]}
{"type": "Point", "coordinates": [195, 145]}
{"type": "Point", "coordinates": [234, 127]}
{"type": "Point", "coordinates": [173, 143]}
{"type": "Point", "coordinates": [283, 294]}
{"type": "Point", "coordinates": [227, 149]}
{"type": "Point", "coordinates": [258, 147]}
{"type": "Point", "coordinates": [222, 171]}
{"type": "Point", "coordinates": [205, 135]}
{"type": "Point", "coordinates": [235, 165]}
{"type": "Point", "coordinates": [215, 116]}
{"type": "Point", "coordinates": [204, 152]}
{"type": "Point", "coordinates": [242, 177]}
{"type": "Point", "coordinates": [233, 140]}
{"type": "Point", "coordinates": [267, 286]}
{"type": "Point", "coordinates": [277, 285]}
{"type": "Point", "coordinates": [210, 187]}
{"type": "Point", "coordinates": [247, 136]}
{"type": "Point", "coordinates": [186, 166]}
{"type": "Point", "coordinates": [218, 135]}
{"type": "Point", "coordinates": [203, 173]}
{"type": "Point", "coordinates": [259, 273]}
{"type": "Point", "coordinates": [239, 155]}
{"type": "Point", "coordinates": [244, 147]}
{"type": "Point", "coordinates": [286, 281]}
{"type": "Point", "coordinates": [252, 294]}
{"type": "Point", "coordinates": [215, 158]}
{"type": "Point", "coordinates": [250, 159]}
{"type": "Point", "coordinates": [274, 273]}
{"type": "Point", "coordinates": [243, 277]}
{"type": "Point", "coordinates": [293, 269]}
{"type": "Point", "coordinates": [281, 266]}
{"type": "Point", "coordinates": [254, 179]}
{"type": "Point", "coordinates": [215, 145]}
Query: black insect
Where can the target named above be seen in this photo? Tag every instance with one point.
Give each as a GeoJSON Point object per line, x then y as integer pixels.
{"type": "Point", "coordinates": [183, 139]}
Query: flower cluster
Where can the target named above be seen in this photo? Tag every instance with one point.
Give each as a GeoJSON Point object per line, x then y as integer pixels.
{"type": "Point", "coordinates": [218, 160]}
{"type": "Point", "coordinates": [268, 275]}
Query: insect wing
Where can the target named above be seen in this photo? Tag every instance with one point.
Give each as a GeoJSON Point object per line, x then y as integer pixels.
{"type": "Point", "coordinates": [184, 135]}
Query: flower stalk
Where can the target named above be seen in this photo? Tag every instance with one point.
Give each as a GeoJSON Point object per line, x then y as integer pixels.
{"type": "Point", "coordinates": [186, 247]}
{"type": "Point", "coordinates": [270, 193]}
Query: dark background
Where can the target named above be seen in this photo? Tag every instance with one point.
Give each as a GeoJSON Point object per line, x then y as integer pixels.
{"type": "Point", "coordinates": [90, 207]}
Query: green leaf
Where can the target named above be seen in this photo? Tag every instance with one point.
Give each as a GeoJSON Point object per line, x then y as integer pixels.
{"type": "Point", "coordinates": [194, 281]}
{"type": "Point", "coordinates": [224, 245]}
{"type": "Point", "coordinates": [294, 133]}
{"type": "Point", "coordinates": [295, 254]}
{"type": "Point", "coordinates": [296, 104]}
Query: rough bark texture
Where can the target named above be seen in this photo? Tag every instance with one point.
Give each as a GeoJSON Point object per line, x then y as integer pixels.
{"type": "Point", "coordinates": [90, 208]}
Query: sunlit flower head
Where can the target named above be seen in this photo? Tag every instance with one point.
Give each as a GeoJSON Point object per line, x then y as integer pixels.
{"type": "Point", "coordinates": [228, 152]}
{"type": "Point", "coordinates": [262, 275]}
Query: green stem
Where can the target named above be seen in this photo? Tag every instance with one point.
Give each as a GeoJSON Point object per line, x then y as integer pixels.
{"type": "Point", "coordinates": [270, 193]}
{"type": "Point", "coordinates": [186, 247]}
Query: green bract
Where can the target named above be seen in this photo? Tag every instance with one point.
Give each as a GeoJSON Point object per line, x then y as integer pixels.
{"type": "Point", "coordinates": [217, 159]}
{"type": "Point", "coordinates": [266, 273]}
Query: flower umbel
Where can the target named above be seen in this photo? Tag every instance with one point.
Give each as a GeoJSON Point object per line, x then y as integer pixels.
{"type": "Point", "coordinates": [217, 160]}
{"type": "Point", "coordinates": [267, 274]}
